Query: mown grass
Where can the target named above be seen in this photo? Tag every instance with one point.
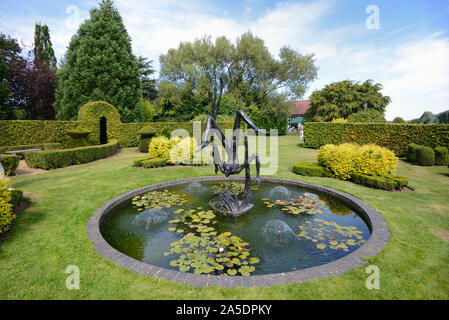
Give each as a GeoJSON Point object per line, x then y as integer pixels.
{"type": "Point", "coordinates": [51, 235]}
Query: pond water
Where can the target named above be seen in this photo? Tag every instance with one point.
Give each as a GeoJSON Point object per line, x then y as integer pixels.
{"type": "Point", "coordinates": [288, 229]}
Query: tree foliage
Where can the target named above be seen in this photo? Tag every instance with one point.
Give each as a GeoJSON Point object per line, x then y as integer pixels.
{"type": "Point", "coordinates": [9, 54]}
{"type": "Point", "coordinates": [43, 49]}
{"type": "Point", "coordinates": [341, 99]}
{"type": "Point", "coordinates": [398, 120]}
{"type": "Point", "coordinates": [367, 116]}
{"type": "Point", "coordinates": [28, 84]}
{"type": "Point", "coordinates": [148, 85]}
{"type": "Point", "coordinates": [99, 66]}
{"type": "Point", "coordinates": [233, 76]}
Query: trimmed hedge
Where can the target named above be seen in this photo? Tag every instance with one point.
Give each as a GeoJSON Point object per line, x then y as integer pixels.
{"type": "Point", "coordinates": [374, 182]}
{"type": "Point", "coordinates": [33, 132]}
{"type": "Point", "coordinates": [441, 156]}
{"type": "Point", "coordinates": [308, 169]}
{"type": "Point", "coordinates": [393, 136]}
{"type": "Point", "coordinates": [425, 156]}
{"type": "Point", "coordinates": [10, 162]}
{"type": "Point", "coordinates": [138, 161]}
{"type": "Point", "coordinates": [65, 157]}
{"type": "Point", "coordinates": [154, 163]}
{"type": "Point", "coordinates": [27, 132]}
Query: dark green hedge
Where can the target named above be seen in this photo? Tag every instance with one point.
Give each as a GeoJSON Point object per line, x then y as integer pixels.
{"type": "Point", "coordinates": [394, 136]}
{"type": "Point", "coordinates": [388, 183]}
{"type": "Point", "coordinates": [308, 169]}
{"type": "Point", "coordinates": [425, 156]}
{"type": "Point", "coordinates": [66, 157]}
{"type": "Point", "coordinates": [154, 163]}
{"type": "Point", "coordinates": [10, 163]}
{"type": "Point", "coordinates": [441, 156]}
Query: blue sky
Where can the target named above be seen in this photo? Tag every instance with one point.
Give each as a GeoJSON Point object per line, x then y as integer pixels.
{"type": "Point", "coordinates": [407, 51]}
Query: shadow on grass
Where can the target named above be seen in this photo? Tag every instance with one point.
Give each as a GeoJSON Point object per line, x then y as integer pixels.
{"type": "Point", "coordinates": [25, 219]}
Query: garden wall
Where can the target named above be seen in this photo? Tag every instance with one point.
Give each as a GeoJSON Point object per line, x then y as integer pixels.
{"type": "Point", "coordinates": [395, 137]}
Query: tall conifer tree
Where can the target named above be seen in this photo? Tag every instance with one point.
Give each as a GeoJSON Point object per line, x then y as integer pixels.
{"type": "Point", "coordinates": [43, 49]}
{"type": "Point", "coordinates": [99, 65]}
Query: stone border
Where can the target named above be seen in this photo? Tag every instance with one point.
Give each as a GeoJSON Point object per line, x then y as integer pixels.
{"type": "Point", "coordinates": [379, 238]}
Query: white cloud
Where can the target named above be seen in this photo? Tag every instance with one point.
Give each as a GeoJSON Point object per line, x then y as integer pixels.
{"type": "Point", "coordinates": [414, 72]}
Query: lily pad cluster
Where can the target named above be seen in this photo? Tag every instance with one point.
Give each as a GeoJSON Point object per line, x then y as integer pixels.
{"type": "Point", "coordinates": [194, 221]}
{"type": "Point", "coordinates": [236, 187]}
{"type": "Point", "coordinates": [303, 204]}
{"type": "Point", "coordinates": [158, 200]}
{"type": "Point", "coordinates": [331, 235]}
{"type": "Point", "coordinates": [207, 252]}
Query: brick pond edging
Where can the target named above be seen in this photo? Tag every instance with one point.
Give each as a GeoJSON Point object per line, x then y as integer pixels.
{"type": "Point", "coordinates": [379, 238]}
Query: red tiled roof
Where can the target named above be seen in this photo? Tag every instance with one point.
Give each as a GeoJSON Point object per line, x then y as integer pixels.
{"type": "Point", "coordinates": [300, 107]}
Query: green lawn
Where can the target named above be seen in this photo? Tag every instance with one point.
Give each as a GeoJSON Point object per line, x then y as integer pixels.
{"type": "Point", "coordinates": [51, 235]}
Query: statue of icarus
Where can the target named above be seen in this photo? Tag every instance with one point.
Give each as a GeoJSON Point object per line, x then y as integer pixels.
{"type": "Point", "coordinates": [227, 202]}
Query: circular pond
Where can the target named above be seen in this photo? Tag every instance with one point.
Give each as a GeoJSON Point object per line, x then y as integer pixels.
{"type": "Point", "coordinates": [293, 229]}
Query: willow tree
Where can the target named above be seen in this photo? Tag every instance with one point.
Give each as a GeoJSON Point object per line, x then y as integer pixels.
{"type": "Point", "coordinates": [99, 65]}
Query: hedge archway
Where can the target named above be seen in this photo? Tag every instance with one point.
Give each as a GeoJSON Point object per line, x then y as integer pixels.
{"type": "Point", "coordinates": [89, 117]}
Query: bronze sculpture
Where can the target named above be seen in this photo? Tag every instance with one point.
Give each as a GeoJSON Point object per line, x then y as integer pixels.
{"type": "Point", "coordinates": [228, 202]}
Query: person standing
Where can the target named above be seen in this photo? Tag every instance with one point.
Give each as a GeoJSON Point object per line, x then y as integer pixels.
{"type": "Point", "coordinates": [2, 171]}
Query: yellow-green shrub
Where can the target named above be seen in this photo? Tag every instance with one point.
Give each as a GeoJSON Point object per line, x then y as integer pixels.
{"type": "Point", "coordinates": [160, 147]}
{"type": "Point", "coordinates": [373, 160]}
{"type": "Point", "coordinates": [338, 161]}
{"type": "Point", "coordinates": [183, 152]}
{"type": "Point", "coordinates": [339, 120]}
{"type": "Point", "coordinates": [346, 159]}
{"type": "Point", "coordinates": [6, 214]}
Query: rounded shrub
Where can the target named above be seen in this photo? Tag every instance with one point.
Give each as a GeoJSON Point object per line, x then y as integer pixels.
{"type": "Point", "coordinates": [342, 161]}
{"type": "Point", "coordinates": [6, 214]}
{"type": "Point", "coordinates": [373, 160]}
{"type": "Point", "coordinates": [425, 156]}
{"type": "Point", "coordinates": [308, 169]}
{"type": "Point", "coordinates": [10, 162]}
{"type": "Point", "coordinates": [411, 152]}
{"type": "Point", "coordinates": [160, 147]}
{"type": "Point", "coordinates": [338, 161]}
{"type": "Point", "coordinates": [441, 156]}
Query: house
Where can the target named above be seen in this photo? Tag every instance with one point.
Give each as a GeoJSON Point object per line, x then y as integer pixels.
{"type": "Point", "coordinates": [299, 109]}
